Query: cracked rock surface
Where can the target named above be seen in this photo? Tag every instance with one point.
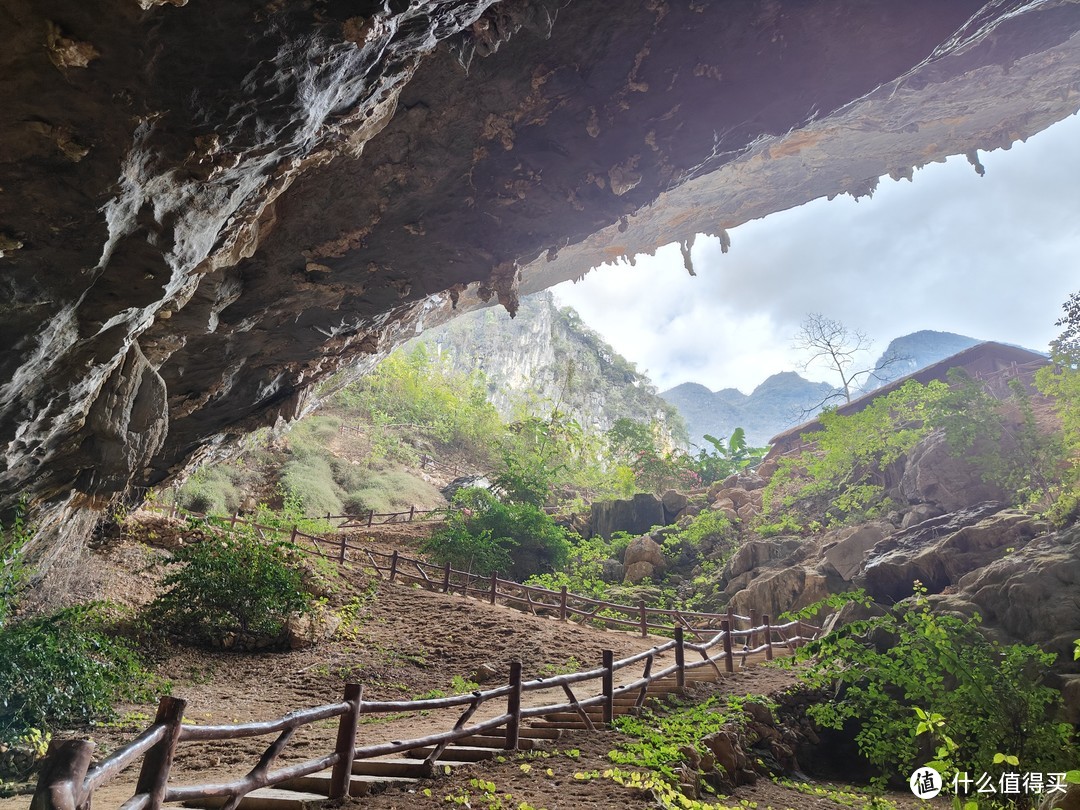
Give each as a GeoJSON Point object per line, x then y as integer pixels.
{"type": "Point", "coordinates": [206, 208]}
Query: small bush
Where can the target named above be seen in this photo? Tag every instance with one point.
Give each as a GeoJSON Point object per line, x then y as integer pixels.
{"type": "Point", "coordinates": [230, 586]}
{"type": "Point", "coordinates": [65, 669]}
{"type": "Point", "coordinates": [486, 535]}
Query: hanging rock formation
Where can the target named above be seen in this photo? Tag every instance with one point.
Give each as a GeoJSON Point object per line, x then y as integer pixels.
{"type": "Point", "coordinates": [207, 208]}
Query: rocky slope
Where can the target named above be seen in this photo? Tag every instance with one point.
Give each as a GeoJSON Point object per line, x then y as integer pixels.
{"type": "Point", "coordinates": [207, 209]}
{"type": "Point", "coordinates": [545, 356]}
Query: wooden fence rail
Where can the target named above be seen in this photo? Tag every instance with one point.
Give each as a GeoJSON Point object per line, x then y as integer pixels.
{"type": "Point", "coordinates": [562, 604]}
{"type": "Point", "coordinates": [68, 783]}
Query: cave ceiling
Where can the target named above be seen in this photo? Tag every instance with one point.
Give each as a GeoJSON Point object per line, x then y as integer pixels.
{"type": "Point", "coordinates": [208, 208]}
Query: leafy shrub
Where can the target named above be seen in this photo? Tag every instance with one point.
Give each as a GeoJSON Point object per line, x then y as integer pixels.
{"type": "Point", "coordinates": [583, 571]}
{"type": "Point", "coordinates": [882, 669]}
{"type": "Point", "coordinates": [709, 533]}
{"type": "Point", "coordinates": [1061, 381]}
{"type": "Point", "coordinates": [485, 535]}
{"type": "Point", "coordinates": [65, 669]}
{"type": "Point", "coordinates": [225, 585]}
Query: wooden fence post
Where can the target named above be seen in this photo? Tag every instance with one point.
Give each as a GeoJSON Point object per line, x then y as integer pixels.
{"type": "Point", "coordinates": [729, 663]}
{"type": "Point", "coordinates": [768, 637]}
{"type": "Point", "coordinates": [393, 565]}
{"type": "Point", "coordinates": [292, 537]}
{"type": "Point", "coordinates": [346, 742]}
{"type": "Point", "coordinates": [60, 784]}
{"type": "Point", "coordinates": [494, 585]}
{"type": "Point", "coordinates": [753, 626]}
{"type": "Point", "coordinates": [562, 604]}
{"type": "Point", "coordinates": [513, 707]}
{"type": "Point", "coordinates": [370, 516]}
{"type": "Point", "coordinates": [446, 578]}
{"type": "Point", "coordinates": [644, 619]}
{"type": "Point", "coordinates": [233, 519]}
{"type": "Point", "coordinates": [680, 657]}
{"type": "Point", "coordinates": [341, 557]}
{"type": "Point", "coordinates": [154, 776]}
{"type": "Point", "coordinates": [609, 687]}
{"type": "Point", "coordinates": [412, 511]}
{"type": "Point", "coordinates": [731, 617]}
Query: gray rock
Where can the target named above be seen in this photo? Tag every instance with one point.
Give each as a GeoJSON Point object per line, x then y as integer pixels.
{"type": "Point", "coordinates": [935, 476]}
{"type": "Point", "coordinates": [674, 502]}
{"type": "Point", "coordinates": [636, 515]}
{"type": "Point", "coordinates": [757, 553]}
{"type": "Point", "coordinates": [612, 571]}
{"type": "Point", "coordinates": [847, 555]}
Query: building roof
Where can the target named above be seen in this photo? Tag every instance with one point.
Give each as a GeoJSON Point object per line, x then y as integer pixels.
{"type": "Point", "coordinates": [980, 360]}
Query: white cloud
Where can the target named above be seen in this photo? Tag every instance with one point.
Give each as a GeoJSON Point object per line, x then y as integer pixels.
{"type": "Point", "coordinates": [991, 257]}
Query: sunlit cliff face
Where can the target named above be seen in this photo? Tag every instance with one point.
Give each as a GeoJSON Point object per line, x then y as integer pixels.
{"type": "Point", "coordinates": [207, 209]}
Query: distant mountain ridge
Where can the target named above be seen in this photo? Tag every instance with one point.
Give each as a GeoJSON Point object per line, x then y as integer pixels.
{"type": "Point", "coordinates": [787, 399]}
{"type": "Point", "coordinates": [909, 353]}
{"type": "Point", "coordinates": [782, 400]}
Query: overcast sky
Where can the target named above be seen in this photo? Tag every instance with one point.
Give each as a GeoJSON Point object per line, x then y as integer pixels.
{"type": "Point", "coordinates": [990, 257]}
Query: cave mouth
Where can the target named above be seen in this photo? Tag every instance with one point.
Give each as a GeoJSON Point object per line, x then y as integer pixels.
{"type": "Point", "coordinates": [191, 246]}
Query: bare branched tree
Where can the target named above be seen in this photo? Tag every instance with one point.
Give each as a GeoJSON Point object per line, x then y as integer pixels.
{"type": "Point", "coordinates": [840, 348]}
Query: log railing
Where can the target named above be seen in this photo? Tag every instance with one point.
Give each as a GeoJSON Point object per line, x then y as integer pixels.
{"type": "Point", "coordinates": [68, 783]}
{"type": "Point", "coordinates": [562, 604]}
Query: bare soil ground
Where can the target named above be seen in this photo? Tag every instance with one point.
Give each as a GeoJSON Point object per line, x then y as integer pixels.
{"type": "Point", "coordinates": [405, 642]}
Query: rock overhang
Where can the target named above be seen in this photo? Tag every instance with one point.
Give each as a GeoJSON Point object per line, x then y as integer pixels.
{"type": "Point", "coordinates": [206, 211]}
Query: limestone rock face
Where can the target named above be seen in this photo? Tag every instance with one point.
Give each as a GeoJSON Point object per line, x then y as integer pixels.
{"type": "Point", "coordinates": [208, 209]}
{"type": "Point", "coordinates": [782, 589]}
{"type": "Point", "coordinates": [1027, 593]}
{"type": "Point", "coordinates": [939, 552]}
{"type": "Point", "coordinates": [847, 554]}
{"type": "Point", "coordinates": [636, 515]}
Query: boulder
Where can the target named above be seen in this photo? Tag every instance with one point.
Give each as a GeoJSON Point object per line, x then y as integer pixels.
{"type": "Point", "coordinates": [1069, 800]}
{"type": "Point", "coordinates": [643, 558]}
{"type": "Point", "coordinates": [639, 572]}
{"type": "Point", "coordinates": [917, 514]}
{"type": "Point", "coordinates": [674, 502]}
{"type": "Point", "coordinates": [746, 511]}
{"type": "Point", "coordinates": [635, 515]}
{"type": "Point", "coordinates": [308, 630]}
{"type": "Point", "coordinates": [933, 475]}
{"type": "Point", "coordinates": [756, 553]}
{"type": "Point", "coordinates": [1070, 694]}
{"type": "Point", "coordinates": [848, 553]}
{"type": "Point", "coordinates": [612, 571]}
{"type": "Point", "coordinates": [781, 590]}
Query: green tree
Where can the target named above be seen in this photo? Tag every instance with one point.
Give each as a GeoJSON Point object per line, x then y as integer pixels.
{"type": "Point", "coordinates": [638, 446]}
{"type": "Point", "coordinates": [1061, 382]}
{"type": "Point", "coordinates": [726, 458]}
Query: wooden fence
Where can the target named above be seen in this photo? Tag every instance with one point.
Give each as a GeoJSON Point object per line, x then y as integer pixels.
{"type": "Point", "coordinates": [562, 604]}
{"type": "Point", "coordinates": [67, 782]}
